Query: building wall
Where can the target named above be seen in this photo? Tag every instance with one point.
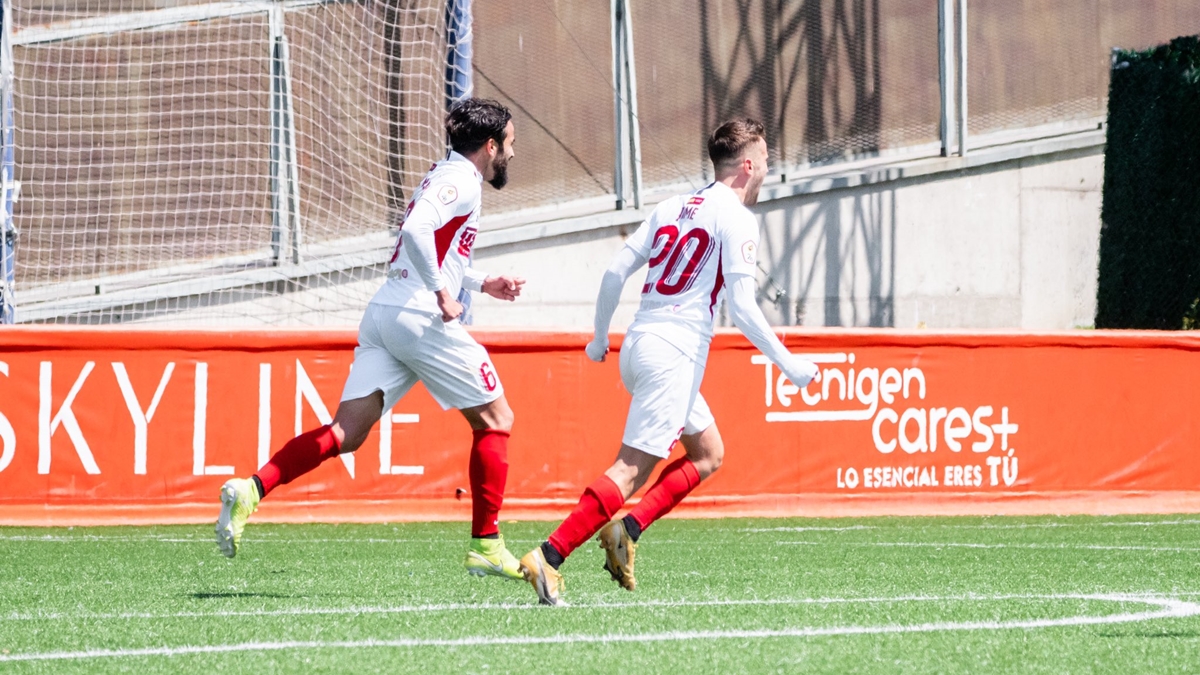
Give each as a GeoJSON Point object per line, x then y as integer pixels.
{"type": "Point", "coordinates": [1011, 245]}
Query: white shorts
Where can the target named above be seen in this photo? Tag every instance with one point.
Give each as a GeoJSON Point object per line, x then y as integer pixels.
{"type": "Point", "coordinates": [665, 385]}
{"type": "Point", "coordinates": [397, 347]}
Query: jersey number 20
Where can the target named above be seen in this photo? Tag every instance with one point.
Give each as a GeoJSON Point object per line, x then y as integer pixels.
{"type": "Point", "coordinates": [676, 259]}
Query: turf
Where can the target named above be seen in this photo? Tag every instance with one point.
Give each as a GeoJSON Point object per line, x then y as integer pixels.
{"type": "Point", "coordinates": [883, 595]}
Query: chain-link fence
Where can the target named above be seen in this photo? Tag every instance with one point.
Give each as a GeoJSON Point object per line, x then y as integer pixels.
{"type": "Point", "coordinates": [1046, 62]}
{"type": "Point", "coordinates": [193, 160]}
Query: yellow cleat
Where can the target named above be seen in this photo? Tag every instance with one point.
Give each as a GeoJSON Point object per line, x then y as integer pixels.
{"type": "Point", "coordinates": [545, 579]}
{"type": "Point", "coordinates": [239, 498]}
{"type": "Point", "coordinates": [619, 550]}
{"type": "Point", "coordinates": [491, 556]}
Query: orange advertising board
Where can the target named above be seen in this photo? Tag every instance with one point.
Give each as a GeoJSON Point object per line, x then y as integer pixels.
{"type": "Point", "coordinates": [96, 425]}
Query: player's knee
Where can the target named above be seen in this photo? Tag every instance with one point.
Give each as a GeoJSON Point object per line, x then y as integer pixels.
{"type": "Point", "coordinates": [708, 454]}
{"type": "Point", "coordinates": [496, 414]}
{"type": "Point", "coordinates": [715, 459]}
{"type": "Point", "coordinates": [353, 439]}
{"type": "Point", "coordinates": [708, 464]}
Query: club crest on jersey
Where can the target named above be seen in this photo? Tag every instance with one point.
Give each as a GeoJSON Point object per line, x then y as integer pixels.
{"type": "Point", "coordinates": [447, 194]}
{"type": "Point", "coordinates": [466, 242]}
{"type": "Point", "coordinates": [748, 252]}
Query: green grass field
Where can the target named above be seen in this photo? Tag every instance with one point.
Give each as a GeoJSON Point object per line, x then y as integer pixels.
{"type": "Point", "coordinates": [885, 595]}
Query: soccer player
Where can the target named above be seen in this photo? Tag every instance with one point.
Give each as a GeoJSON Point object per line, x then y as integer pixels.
{"type": "Point", "coordinates": [411, 331]}
{"type": "Point", "coordinates": [697, 245]}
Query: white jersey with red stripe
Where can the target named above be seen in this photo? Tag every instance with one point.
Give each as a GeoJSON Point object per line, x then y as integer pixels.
{"type": "Point", "coordinates": [453, 188]}
{"type": "Point", "coordinates": [692, 243]}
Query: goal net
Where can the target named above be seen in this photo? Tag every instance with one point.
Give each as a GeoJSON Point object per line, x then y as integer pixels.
{"type": "Point", "coordinates": [224, 163]}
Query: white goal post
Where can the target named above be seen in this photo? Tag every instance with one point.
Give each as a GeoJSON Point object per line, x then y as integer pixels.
{"type": "Point", "coordinates": [219, 162]}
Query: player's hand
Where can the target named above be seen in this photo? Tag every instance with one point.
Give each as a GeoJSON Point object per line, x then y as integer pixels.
{"type": "Point", "coordinates": [801, 372]}
{"type": "Point", "coordinates": [597, 349]}
{"type": "Point", "coordinates": [451, 307]}
{"type": "Point", "coordinates": [503, 287]}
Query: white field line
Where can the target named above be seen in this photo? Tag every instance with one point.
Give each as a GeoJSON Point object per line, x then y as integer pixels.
{"type": "Point", "coordinates": [505, 606]}
{"type": "Point", "coordinates": [980, 526]}
{"type": "Point", "coordinates": [1167, 608]}
{"type": "Point", "coordinates": [814, 528]}
{"type": "Point", "coordinates": [949, 544]}
{"type": "Point", "coordinates": [89, 538]}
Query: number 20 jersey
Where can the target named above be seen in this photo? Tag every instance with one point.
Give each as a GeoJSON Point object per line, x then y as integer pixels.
{"type": "Point", "coordinates": [692, 242]}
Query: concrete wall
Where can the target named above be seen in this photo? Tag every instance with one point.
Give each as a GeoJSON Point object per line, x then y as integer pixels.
{"type": "Point", "coordinates": [1011, 245]}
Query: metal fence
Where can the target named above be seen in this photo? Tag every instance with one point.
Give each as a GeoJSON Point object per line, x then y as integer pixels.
{"type": "Point", "coordinates": [264, 148]}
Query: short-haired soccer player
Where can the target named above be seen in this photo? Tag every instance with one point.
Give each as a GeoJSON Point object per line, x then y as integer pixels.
{"type": "Point", "coordinates": [698, 245]}
{"type": "Point", "coordinates": [411, 332]}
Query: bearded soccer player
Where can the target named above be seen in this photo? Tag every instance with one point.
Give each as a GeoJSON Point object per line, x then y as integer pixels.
{"type": "Point", "coordinates": [699, 246]}
{"type": "Point", "coordinates": [411, 332]}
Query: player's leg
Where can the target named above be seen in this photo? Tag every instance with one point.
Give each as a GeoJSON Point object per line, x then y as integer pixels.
{"type": "Point", "coordinates": [659, 378]}
{"type": "Point", "coordinates": [491, 425]}
{"type": "Point", "coordinates": [459, 374]}
{"type": "Point", "coordinates": [619, 538]}
{"type": "Point", "coordinates": [599, 503]}
{"type": "Point", "coordinates": [487, 471]}
{"type": "Point", "coordinates": [705, 452]}
{"type": "Point", "coordinates": [375, 376]}
{"type": "Point", "coordinates": [302, 454]}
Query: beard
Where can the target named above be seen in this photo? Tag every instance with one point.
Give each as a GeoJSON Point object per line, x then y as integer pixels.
{"type": "Point", "coordinates": [499, 173]}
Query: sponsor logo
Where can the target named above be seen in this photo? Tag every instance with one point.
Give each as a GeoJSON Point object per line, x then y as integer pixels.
{"type": "Point", "coordinates": [466, 241]}
{"type": "Point", "coordinates": [889, 402]}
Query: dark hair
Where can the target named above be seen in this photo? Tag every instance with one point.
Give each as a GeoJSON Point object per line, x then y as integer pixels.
{"type": "Point", "coordinates": [731, 138]}
{"type": "Point", "coordinates": [471, 122]}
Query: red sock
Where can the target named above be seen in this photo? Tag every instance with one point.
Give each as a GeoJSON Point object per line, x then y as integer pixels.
{"type": "Point", "coordinates": [297, 457]}
{"type": "Point", "coordinates": [596, 507]}
{"type": "Point", "coordinates": [674, 483]}
{"type": "Point", "coordinates": [488, 472]}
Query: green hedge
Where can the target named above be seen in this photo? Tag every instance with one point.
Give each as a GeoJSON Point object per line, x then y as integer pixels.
{"type": "Point", "coordinates": [1150, 236]}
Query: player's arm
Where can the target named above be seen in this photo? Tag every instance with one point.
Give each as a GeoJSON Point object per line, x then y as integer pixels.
{"type": "Point", "coordinates": [739, 251]}
{"type": "Point", "coordinates": [417, 237]}
{"type": "Point", "coordinates": [503, 287]}
{"type": "Point", "coordinates": [628, 261]}
{"type": "Point", "coordinates": [748, 317]}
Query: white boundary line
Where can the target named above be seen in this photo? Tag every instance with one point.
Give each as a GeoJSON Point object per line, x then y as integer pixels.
{"type": "Point", "coordinates": [452, 607]}
{"type": "Point", "coordinates": [954, 544]}
{"type": "Point", "coordinates": [505, 606]}
{"type": "Point", "coordinates": [980, 526]}
{"type": "Point", "coordinates": [1167, 608]}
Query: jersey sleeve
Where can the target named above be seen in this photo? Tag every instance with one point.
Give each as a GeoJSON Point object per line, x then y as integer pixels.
{"type": "Point", "coordinates": [739, 245]}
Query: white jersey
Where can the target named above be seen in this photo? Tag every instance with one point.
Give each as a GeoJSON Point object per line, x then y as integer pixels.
{"type": "Point", "coordinates": [453, 188]}
{"type": "Point", "coordinates": [692, 243]}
